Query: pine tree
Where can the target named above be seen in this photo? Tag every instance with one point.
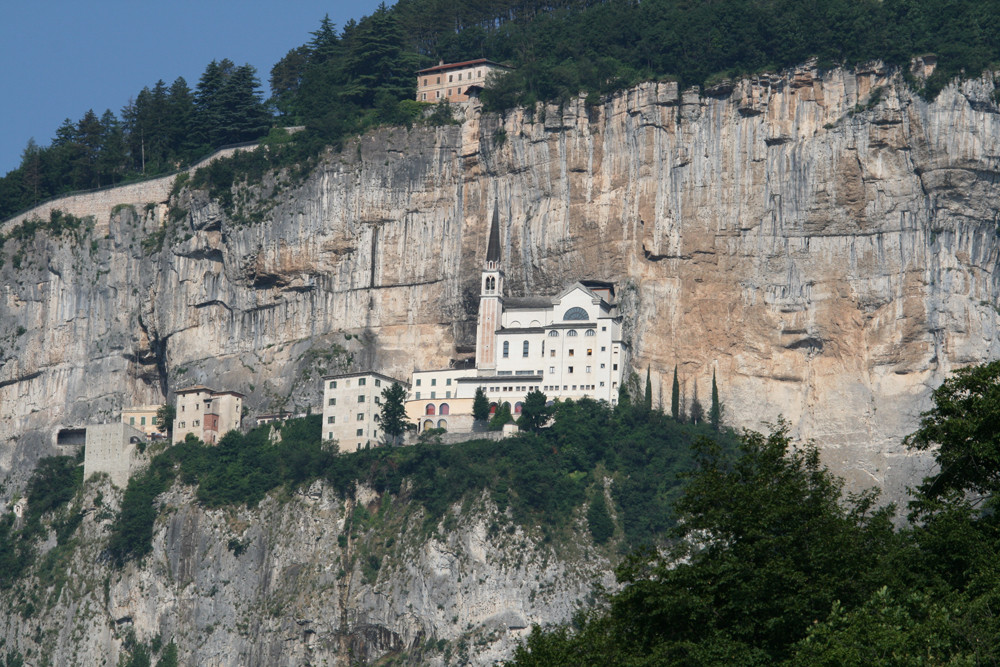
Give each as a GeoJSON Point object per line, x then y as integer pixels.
{"type": "Point", "coordinates": [715, 413]}
{"type": "Point", "coordinates": [675, 398]}
{"type": "Point", "coordinates": [376, 61]}
{"type": "Point", "coordinates": [111, 159]}
{"type": "Point", "coordinates": [31, 168]}
{"type": "Point", "coordinates": [180, 117]}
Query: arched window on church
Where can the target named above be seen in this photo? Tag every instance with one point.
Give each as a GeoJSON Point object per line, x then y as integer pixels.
{"type": "Point", "coordinates": [524, 349]}
{"type": "Point", "coordinates": [590, 332]}
{"type": "Point", "coordinates": [445, 410]}
{"type": "Point", "coordinates": [493, 409]}
{"type": "Point", "coordinates": [576, 313]}
{"type": "Point", "coordinates": [443, 423]}
{"type": "Point", "coordinates": [517, 407]}
{"type": "Point", "coordinates": [429, 410]}
{"type": "Point", "coordinates": [571, 332]}
{"type": "Point", "coordinates": [553, 333]}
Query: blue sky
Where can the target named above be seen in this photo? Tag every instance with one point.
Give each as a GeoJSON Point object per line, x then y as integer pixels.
{"type": "Point", "coordinates": [59, 58]}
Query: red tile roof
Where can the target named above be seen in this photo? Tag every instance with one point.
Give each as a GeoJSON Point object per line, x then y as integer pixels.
{"type": "Point", "coordinates": [467, 63]}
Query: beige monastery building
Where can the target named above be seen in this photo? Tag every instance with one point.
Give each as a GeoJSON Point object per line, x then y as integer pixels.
{"type": "Point", "coordinates": [143, 417]}
{"type": "Point", "coordinates": [206, 413]}
{"type": "Point", "coordinates": [451, 81]}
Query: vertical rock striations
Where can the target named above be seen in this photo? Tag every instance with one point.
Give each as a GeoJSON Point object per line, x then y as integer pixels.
{"type": "Point", "coordinates": [824, 241]}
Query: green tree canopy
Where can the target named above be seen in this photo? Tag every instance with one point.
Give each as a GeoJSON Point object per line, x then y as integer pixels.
{"type": "Point", "coordinates": [392, 415]}
{"type": "Point", "coordinates": [963, 428]}
{"type": "Point", "coordinates": [480, 406]}
{"type": "Point", "coordinates": [534, 411]}
{"type": "Point", "coordinates": [763, 548]}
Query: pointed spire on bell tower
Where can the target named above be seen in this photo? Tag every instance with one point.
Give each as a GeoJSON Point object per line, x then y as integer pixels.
{"type": "Point", "coordinates": [490, 300]}
{"type": "Point", "coordinates": [493, 249]}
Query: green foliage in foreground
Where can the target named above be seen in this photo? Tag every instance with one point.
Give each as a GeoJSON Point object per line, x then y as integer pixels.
{"type": "Point", "coordinates": [54, 483]}
{"type": "Point", "coordinates": [771, 566]}
{"type": "Point", "coordinates": [543, 478]}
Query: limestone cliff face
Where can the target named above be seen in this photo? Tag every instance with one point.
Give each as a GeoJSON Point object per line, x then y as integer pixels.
{"type": "Point", "coordinates": [824, 241]}
{"type": "Point", "coordinates": [287, 584]}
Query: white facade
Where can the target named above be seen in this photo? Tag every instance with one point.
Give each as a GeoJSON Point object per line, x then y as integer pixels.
{"type": "Point", "coordinates": [574, 344]}
{"type": "Point", "coordinates": [350, 403]}
{"type": "Point", "coordinates": [438, 385]}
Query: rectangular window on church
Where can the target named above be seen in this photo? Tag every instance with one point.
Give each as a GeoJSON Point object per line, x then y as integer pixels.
{"type": "Point", "coordinates": [571, 353]}
{"type": "Point", "coordinates": [569, 369]}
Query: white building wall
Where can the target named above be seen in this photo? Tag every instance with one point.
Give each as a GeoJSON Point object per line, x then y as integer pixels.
{"type": "Point", "coordinates": [350, 403]}
{"type": "Point", "coordinates": [573, 363]}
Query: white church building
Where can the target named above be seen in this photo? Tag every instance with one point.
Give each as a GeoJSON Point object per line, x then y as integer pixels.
{"type": "Point", "coordinates": [567, 346]}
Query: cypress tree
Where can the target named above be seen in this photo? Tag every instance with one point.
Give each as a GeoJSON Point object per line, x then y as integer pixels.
{"type": "Point", "coordinates": [675, 398]}
{"type": "Point", "coordinates": [715, 413]}
{"type": "Point", "coordinates": [648, 398]}
{"type": "Point", "coordinates": [697, 412]}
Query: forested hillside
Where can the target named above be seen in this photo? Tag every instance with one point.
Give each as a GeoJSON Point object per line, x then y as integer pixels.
{"type": "Point", "coordinates": [349, 78]}
{"type": "Point", "coordinates": [770, 564]}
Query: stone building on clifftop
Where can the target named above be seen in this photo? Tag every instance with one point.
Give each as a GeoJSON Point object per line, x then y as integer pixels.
{"type": "Point", "coordinates": [450, 82]}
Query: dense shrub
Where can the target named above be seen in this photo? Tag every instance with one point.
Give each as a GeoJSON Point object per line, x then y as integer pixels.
{"type": "Point", "coordinates": [542, 478]}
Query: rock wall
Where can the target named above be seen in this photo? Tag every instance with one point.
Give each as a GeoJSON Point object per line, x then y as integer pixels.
{"type": "Point", "coordinates": [824, 241]}
{"type": "Point", "coordinates": [288, 584]}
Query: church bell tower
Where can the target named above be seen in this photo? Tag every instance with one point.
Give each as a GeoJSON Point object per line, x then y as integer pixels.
{"type": "Point", "coordinates": [490, 302]}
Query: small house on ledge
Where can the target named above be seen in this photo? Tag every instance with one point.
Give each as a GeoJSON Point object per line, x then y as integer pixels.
{"type": "Point", "coordinates": [451, 82]}
{"type": "Point", "coordinates": [206, 413]}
